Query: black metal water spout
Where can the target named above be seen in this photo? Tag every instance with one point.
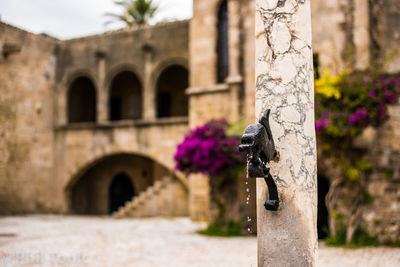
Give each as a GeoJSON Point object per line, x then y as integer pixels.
{"type": "Point", "coordinates": [259, 145]}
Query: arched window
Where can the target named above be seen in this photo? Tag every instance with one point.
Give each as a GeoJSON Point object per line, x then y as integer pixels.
{"type": "Point", "coordinates": [222, 43]}
{"type": "Point", "coordinates": [121, 190]}
{"type": "Point", "coordinates": [82, 101]}
{"type": "Point", "coordinates": [171, 97]}
{"type": "Point", "coordinates": [125, 97]}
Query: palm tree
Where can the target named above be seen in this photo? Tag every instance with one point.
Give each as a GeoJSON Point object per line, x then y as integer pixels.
{"type": "Point", "coordinates": [135, 12]}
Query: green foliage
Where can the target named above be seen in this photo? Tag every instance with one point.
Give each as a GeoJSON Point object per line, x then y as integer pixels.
{"type": "Point", "coordinates": [339, 239]}
{"type": "Point", "coordinates": [360, 238]}
{"type": "Point", "coordinates": [352, 173]}
{"type": "Point", "coordinates": [349, 102]}
{"type": "Point", "coordinates": [345, 105]}
{"type": "Point", "coordinates": [227, 229]}
{"type": "Point", "coordinates": [335, 214]}
{"type": "Point", "coordinates": [367, 198]}
{"type": "Point", "coordinates": [363, 164]}
{"type": "Point", "coordinates": [135, 12]}
{"type": "Point", "coordinates": [236, 128]}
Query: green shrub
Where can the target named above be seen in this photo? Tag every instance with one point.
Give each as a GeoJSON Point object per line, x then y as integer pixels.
{"type": "Point", "coordinates": [339, 239]}
{"type": "Point", "coordinates": [360, 238]}
{"type": "Point", "coordinates": [229, 229]}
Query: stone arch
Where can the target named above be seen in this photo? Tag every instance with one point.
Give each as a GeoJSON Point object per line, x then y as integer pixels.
{"type": "Point", "coordinates": [170, 88]}
{"type": "Point", "coordinates": [114, 70]}
{"type": "Point", "coordinates": [125, 96]}
{"type": "Point", "coordinates": [75, 73]}
{"type": "Point", "coordinates": [88, 189]}
{"type": "Point", "coordinates": [82, 100]}
{"type": "Point", "coordinates": [222, 46]}
{"type": "Point", "coordinates": [160, 67]}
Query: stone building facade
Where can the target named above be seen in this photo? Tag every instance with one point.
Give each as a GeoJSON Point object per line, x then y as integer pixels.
{"type": "Point", "coordinates": [90, 123]}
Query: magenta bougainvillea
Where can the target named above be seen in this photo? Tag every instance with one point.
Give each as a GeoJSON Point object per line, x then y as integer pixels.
{"type": "Point", "coordinates": [209, 150]}
{"type": "Point", "coordinates": [350, 102]}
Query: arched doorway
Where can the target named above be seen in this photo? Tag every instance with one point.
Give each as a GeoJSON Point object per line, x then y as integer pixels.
{"type": "Point", "coordinates": [121, 190]}
{"type": "Point", "coordinates": [107, 183]}
{"type": "Point", "coordinates": [222, 43]}
{"type": "Point", "coordinates": [125, 101]}
{"type": "Point", "coordinates": [81, 101]}
{"type": "Point", "coordinates": [323, 215]}
{"type": "Point", "coordinates": [172, 100]}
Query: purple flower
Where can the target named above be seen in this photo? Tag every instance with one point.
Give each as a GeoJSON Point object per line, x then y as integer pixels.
{"type": "Point", "coordinates": [360, 117]}
{"type": "Point", "coordinates": [318, 126]}
{"type": "Point", "coordinates": [323, 122]}
{"type": "Point", "coordinates": [372, 94]}
{"type": "Point", "coordinates": [382, 111]}
{"type": "Point", "coordinates": [388, 97]}
{"type": "Point", "coordinates": [207, 149]}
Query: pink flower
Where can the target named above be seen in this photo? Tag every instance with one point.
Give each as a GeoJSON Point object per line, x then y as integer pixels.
{"type": "Point", "coordinates": [360, 117]}
{"type": "Point", "coordinates": [323, 122]}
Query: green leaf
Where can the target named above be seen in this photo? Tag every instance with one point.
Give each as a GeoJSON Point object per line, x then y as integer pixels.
{"type": "Point", "coordinates": [137, 12]}
{"type": "Point", "coordinates": [352, 173]}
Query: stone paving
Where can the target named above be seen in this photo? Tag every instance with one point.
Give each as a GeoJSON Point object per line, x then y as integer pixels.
{"type": "Point", "coordinates": [102, 241]}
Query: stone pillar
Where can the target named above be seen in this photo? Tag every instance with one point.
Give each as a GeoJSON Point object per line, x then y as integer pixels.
{"type": "Point", "coordinates": [199, 197]}
{"type": "Point", "coordinates": [149, 94]}
{"type": "Point", "coordinates": [284, 84]}
{"type": "Point", "coordinates": [234, 79]}
{"type": "Point", "coordinates": [234, 37]}
{"type": "Point", "coordinates": [102, 92]}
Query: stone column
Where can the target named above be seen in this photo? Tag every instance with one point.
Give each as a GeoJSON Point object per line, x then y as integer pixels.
{"type": "Point", "coordinates": [102, 92]}
{"type": "Point", "coordinates": [234, 79]}
{"type": "Point", "coordinates": [149, 94]}
{"type": "Point", "coordinates": [284, 84]}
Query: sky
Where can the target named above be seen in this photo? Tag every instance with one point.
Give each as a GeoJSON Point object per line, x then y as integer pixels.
{"type": "Point", "coordinates": [65, 19]}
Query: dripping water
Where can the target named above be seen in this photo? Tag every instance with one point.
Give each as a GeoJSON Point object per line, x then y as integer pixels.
{"type": "Point", "coordinates": [248, 192]}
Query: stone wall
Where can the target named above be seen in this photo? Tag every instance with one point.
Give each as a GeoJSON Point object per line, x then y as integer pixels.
{"type": "Point", "coordinates": [90, 193]}
{"type": "Point", "coordinates": [79, 148]}
{"type": "Point", "coordinates": [378, 211]}
{"type": "Point", "coordinates": [382, 217]}
{"type": "Point", "coordinates": [41, 154]}
{"type": "Point", "coordinates": [27, 80]}
{"type": "Point", "coordinates": [145, 52]}
{"type": "Point", "coordinates": [385, 33]}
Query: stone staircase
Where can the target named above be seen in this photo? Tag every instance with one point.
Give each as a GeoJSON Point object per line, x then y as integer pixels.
{"type": "Point", "coordinates": [167, 197]}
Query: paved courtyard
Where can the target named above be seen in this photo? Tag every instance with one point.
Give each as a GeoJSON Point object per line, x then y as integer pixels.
{"type": "Point", "coordinates": [103, 241]}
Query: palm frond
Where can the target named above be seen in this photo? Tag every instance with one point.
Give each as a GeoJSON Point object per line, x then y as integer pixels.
{"type": "Point", "coordinates": [135, 11]}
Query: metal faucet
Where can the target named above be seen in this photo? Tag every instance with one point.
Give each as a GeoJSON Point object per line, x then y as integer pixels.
{"type": "Point", "coordinates": [259, 146]}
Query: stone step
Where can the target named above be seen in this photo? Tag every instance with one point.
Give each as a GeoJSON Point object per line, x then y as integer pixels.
{"type": "Point", "coordinates": [156, 200]}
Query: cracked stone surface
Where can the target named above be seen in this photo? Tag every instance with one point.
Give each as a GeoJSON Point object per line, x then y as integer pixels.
{"type": "Point", "coordinates": [102, 241]}
{"type": "Point", "coordinates": [284, 84]}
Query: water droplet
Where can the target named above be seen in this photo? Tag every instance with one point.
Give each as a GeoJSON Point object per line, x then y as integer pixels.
{"type": "Point", "coordinates": [248, 229]}
{"type": "Point", "coordinates": [247, 202]}
{"type": "Point", "coordinates": [248, 190]}
{"type": "Point", "coordinates": [248, 219]}
{"type": "Point", "coordinates": [247, 167]}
